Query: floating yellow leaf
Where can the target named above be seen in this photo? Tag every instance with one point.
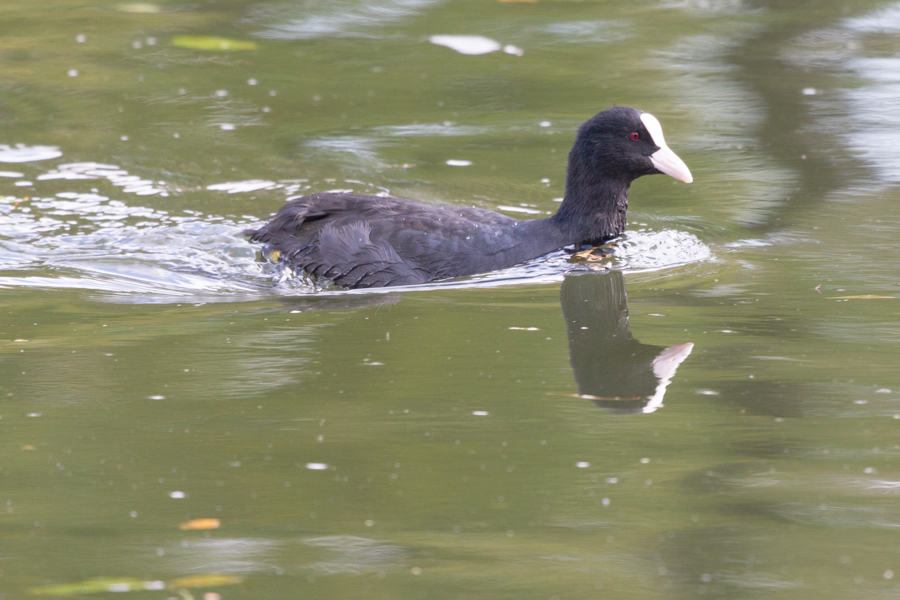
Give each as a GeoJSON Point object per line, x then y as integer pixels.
{"type": "Point", "coordinates": [127, 584]}
{"type": "Point", "coordinates": [204, 580]}
{"type": "Point", "coordinates": [205, 42]}
{"type": "Point", "coordinates": [200, 524]}
{"type": "Point", "coordinates": [28, 447]}
{"type": "Point", "coordinates": [866, 297]}
{"type": "Point", "coordinates": [92, 586]}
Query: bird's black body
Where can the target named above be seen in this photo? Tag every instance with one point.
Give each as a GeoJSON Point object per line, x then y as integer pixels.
{"type": "Point", "coordinates": [361, 241]}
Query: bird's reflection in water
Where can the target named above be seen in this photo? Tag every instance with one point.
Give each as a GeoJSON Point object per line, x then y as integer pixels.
{"type": "Point", "coordinates": [613, 369]}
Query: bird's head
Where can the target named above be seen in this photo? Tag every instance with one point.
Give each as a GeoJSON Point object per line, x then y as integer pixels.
{"type": "Point", "coordinates": [623, 144]}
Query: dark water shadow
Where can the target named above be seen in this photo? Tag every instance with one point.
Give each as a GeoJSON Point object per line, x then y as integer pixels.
{"type": "Point", "coordinates": [612, 369]}
{"type": "Point", "coordinates": [793, 131]}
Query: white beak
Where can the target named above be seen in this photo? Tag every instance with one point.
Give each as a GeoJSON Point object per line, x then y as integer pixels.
{"type": "Point", "coordinates": [664, 159]}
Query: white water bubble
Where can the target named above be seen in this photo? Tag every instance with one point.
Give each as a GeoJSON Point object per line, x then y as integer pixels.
{"type": "Point", "coordinates": [518, 209]}
{"type": "Point", "coordinates": [237, 187]}
{"type": "Point", "coordinates": [21, 153]}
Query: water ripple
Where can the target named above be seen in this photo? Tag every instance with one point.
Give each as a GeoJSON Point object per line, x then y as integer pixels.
{"type": "Point", "coordinates": [133, 253]}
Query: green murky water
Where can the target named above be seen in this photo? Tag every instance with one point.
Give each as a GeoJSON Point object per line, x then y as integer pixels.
{"type": "Point", "coordinates": [541, 432]}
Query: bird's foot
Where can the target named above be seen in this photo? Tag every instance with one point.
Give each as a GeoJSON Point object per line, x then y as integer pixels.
{"type": "Point", "coordinates": [271, 255]}
{"type": "Point", "coordinates": [594, 253]}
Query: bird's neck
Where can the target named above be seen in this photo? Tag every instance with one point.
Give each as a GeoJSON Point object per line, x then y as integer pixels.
{"type": "Point", "coordinates": [593, 209]}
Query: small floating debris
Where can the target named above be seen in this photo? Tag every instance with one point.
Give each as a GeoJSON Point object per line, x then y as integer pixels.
{"type": "Point", "coordinates": [128, 584]}
{"type": "Point", "coordinates": [204, 580]}
{"type": "Point", "coordinates": [525, 328]}
{"type": "Point", "coordinates": [203, 42]}
{"type": "Point", "coordinates": [480, 413]}
{"type": "Point", "coordinates": [177, 495]}
{"type": "Point", "coordinates": [93, 586]}
{"type": "Point", "coordinates": [316, 466]}
{"type": "Point", "coordinates": [474, 45]}
{"type": "Point", "coordinates": [200, 524]}
{"type": "Point", "coordinates": [467, 44]}
{"type": "Point", "coordinates": [459, 163]}
{"type": "Point", "coordinates": [583, 464]}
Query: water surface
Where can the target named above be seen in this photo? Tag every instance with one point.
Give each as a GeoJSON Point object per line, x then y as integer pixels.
{"type": "Point", "coordinates": [712, 412]}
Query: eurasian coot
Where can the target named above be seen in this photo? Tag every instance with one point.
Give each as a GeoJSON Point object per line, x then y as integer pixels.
{"type": "Point", "coordinates": [360, 241]}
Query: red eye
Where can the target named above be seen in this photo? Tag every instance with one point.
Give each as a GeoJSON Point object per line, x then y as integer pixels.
{"type": "Point", "coordinates": [635, 136]}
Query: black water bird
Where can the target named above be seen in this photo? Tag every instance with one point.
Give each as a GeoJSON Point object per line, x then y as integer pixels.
{"type": "Point", "coordinates": [360, 241]}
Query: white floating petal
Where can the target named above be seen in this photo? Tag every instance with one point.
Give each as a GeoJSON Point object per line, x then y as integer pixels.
{"type": "Point", "coordinates": [466, 44]}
